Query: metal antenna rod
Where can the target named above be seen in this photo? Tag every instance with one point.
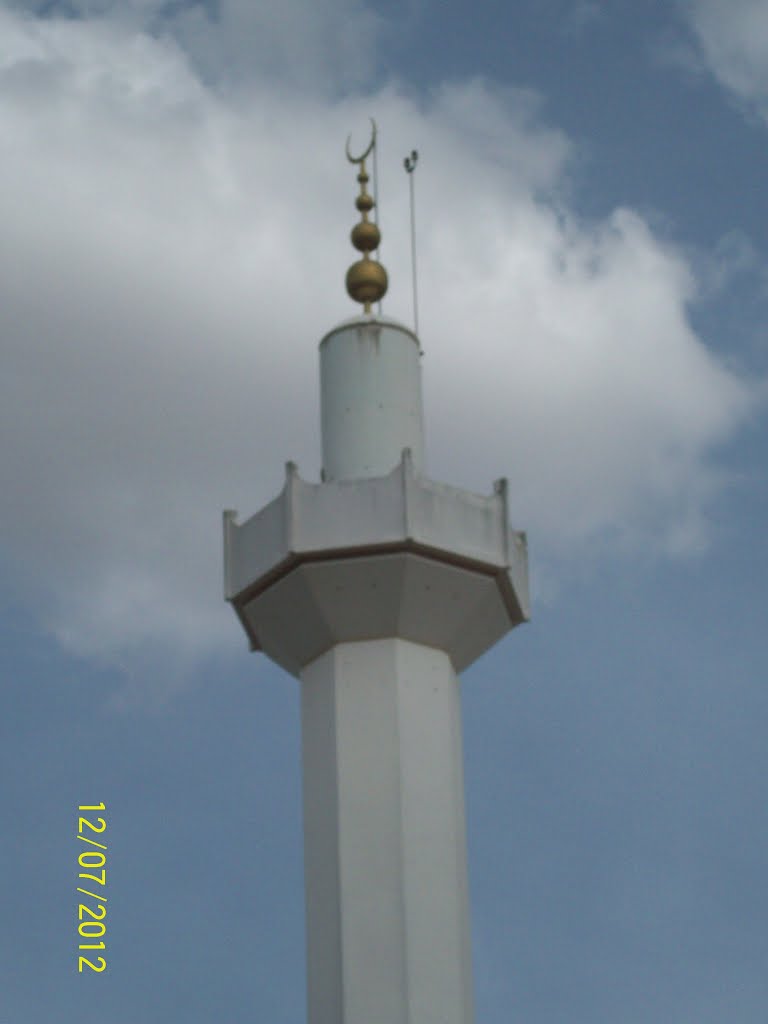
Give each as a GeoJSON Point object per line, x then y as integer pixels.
{"type": "Point", "coordinates": [410, 165]}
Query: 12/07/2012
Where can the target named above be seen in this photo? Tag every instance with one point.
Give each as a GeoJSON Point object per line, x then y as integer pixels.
{"type": "Point", "coordinates": [91, 922]}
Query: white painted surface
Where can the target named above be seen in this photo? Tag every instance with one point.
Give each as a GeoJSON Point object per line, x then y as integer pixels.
{"type": "Point", "coordinates": [385, 856]}
{"type": "Point", "coordinates": [344, 516]}
{"type": "Point", "coordinates": [319, 604]}
{"type": "Point", "coordinates": [397, 555]}
{"type": "Point", "coordinates": [370, 398]}
{"type": "Point", "coordinates": [374, 587]}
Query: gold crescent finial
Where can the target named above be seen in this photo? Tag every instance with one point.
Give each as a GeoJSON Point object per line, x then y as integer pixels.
{"type": "Point", "coordinates": [366, 279]}
{"type": "Point", "coordinates": [371, 144]}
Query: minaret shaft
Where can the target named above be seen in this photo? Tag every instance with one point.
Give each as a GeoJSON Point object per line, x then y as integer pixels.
{"type": "Point", "coordinates": [385, 859]}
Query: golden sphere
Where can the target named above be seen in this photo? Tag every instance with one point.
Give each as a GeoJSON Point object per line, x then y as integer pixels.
{"type": "Point", "coordinates": [364, 202]}
{"type": "Point", "coordinates": [365, 236]}
{"type": "Point", "coordinates": [366, 281]}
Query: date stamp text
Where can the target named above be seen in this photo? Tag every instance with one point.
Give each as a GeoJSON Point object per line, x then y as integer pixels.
{"type": "Point", "coordinates": [92, 865]}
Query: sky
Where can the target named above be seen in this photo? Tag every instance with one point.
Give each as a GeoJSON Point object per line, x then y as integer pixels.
{"type": "Point", "coordinates": [592, 240]}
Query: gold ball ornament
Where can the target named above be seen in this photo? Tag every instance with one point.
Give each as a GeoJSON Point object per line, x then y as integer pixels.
{"type": "Point", "coordinates": [365, 236]}
{"type": "Point", "coordinates": [366, 281]}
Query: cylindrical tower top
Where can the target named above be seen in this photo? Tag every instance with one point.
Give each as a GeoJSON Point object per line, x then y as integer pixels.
{"type": "Point", "coordinates": [370, 398]}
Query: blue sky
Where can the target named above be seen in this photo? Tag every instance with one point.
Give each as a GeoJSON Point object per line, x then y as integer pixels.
{"type": "Point", "coordinates": [591, 203]}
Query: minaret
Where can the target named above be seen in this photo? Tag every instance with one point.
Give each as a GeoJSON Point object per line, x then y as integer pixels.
{"type": "Point", "coordinates": [375, 588]}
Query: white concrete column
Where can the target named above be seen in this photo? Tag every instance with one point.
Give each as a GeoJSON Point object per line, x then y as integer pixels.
{"type": "Point", "coordinates": [370, 398]}
{"type": "Point", "coordinates": [388, 938]}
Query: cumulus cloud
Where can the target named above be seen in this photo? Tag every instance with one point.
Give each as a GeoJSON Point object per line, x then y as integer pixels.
{"type": "Point", "coordinates": [172, 254]}
{"type": "Point", "coordinates": [733, 42]}
{"type": "Point", "coordinates": [594, 381]}
{"type": "Point", "coordinates": [326, 47]}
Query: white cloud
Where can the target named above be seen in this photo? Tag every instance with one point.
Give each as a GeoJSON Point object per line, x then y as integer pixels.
{"type": "Point", "coordinates": [170, 258]}
{"type": "Point", "coordinates": [325, 47]}
{"type": "Point", "coordinates": [733, 40]}
{"type": "Point", "coordinates": [593, 381]}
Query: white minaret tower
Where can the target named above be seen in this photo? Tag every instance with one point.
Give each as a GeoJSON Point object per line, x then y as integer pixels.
{"type": "Point", "coordinates": [375, 588]}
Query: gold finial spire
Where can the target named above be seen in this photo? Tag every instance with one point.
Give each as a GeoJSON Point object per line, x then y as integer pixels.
{"type": "Point", "coordinates": [366, 279]}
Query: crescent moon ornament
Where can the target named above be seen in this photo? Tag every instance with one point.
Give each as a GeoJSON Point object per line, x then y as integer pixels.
{"type": "Point", "coordinates": [371, 144]}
